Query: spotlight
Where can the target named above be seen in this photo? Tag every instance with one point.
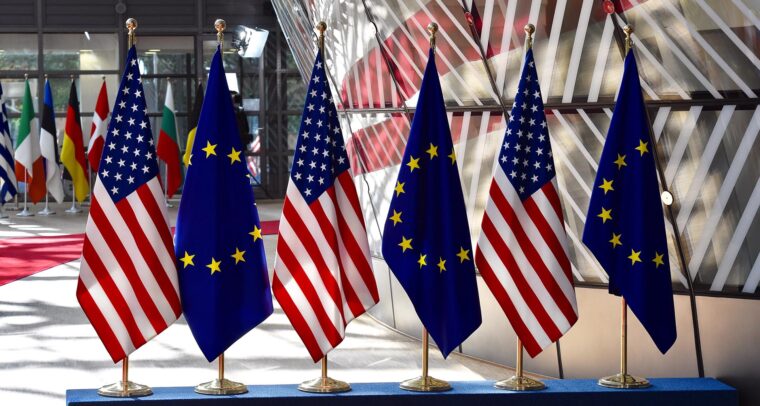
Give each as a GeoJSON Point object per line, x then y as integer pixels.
{"type": "Point", "coordinates": [249, 42]}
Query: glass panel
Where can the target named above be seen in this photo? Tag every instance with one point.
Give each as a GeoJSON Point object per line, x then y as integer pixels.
{"type": "Point", "coordinates": [161, 55]}
{"type": "Point", "coordinates": [77, 52]}
{"type": "Point", "coordinates": [155, 94]}
{"type": "Point", "coordinates": [403, 29]}
{"type": "Point", "coordinates": [13, 94]}
{"type": "Point", "coordinates": [18, 52]}
{"type": "Point", "coordinates": [296, 93]}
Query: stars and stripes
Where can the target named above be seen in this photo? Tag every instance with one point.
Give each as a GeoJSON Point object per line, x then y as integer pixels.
{"type": "Point", "coordinates": [128, 278]}
{"type": "Point", "coordinates": [323, 278]}
{"type": "Point", "coordinates": [522, 250]}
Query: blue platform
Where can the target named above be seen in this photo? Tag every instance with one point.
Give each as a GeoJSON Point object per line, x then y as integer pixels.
{"type": "Point", "coordinates": [570, 392]}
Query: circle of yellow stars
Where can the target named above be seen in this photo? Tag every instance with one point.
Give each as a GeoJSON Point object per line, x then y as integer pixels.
{"type": "Point", "coordinates": [395, 217]}
{"type": "Point", "coordinates": [606, 214]}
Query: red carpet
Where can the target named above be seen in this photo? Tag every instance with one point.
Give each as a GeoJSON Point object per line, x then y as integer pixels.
{"type": "Point", "coordinates": [21, 257]}
{"type": "Point", "coordinates": [25, 256]}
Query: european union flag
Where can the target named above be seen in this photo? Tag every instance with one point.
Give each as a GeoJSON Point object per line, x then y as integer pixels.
{"type": "Point", "coordinates": [625, 228]}
{"type": "Point", "coordinates": [426, 242]}
{"type": "Point", "coordinates": [223, 279]}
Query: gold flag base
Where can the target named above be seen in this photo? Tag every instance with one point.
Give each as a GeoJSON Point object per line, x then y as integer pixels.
{"type": "Point", "coordinates": [520, 383]}
{"type": "Point", "coordinates": [120, 390]}
{"type": "Point", "coordinates": [221, 387]}
{"type": "Point", "coordinates": [324, 385]}
{"type": "Point", "coordinates": [624, 381]}
{"type": "Point", "coordinates": [425, 384]}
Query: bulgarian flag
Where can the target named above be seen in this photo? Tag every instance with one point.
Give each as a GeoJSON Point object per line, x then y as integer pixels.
{"type": "Point", "coordinates": [30, 167]}
{"type": "Point", "coordinates": [193, 124]}
{"type": "Point", "coordinates": [72, 152]}
{"type": "Point", "coordinates": [98, 128]}
{"type": "Point", "coordinates": [167, 148]}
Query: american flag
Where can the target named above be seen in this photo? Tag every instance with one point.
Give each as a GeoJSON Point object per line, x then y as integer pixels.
{"type": "Point", "coordinates": [322, 275]}
{"type": "Point", "coordinates": [128, 278]}
{"type": "Point", "coordinates": [522, 249]}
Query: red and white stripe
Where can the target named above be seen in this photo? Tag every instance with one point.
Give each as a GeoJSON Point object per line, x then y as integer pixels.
{"type": "Point", "coordinates": [323, 278]}
{"type": "Point", "coordinates": [522, 256]}
{"type": "Point", "coordinates": [128, 284]}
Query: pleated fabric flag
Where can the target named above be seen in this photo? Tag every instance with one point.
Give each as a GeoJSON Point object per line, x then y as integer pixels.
{"type": "Point", "coordinates": [223, 276]}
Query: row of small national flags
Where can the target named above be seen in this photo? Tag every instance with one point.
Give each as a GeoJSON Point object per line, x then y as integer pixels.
{"type": "Point", "coordinates": [135, 281]}
{"type": "Point", "coordinates": [36, 159]}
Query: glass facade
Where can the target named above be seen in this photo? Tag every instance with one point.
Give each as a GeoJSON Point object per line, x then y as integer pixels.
{"type": "Point", "coordinates": [700, 69]}
{"type": "Point", "coordinates": [266, 88]}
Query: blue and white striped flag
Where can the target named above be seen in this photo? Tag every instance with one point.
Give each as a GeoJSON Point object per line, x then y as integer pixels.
{"type": "Point", "coordinates": [8, 187]}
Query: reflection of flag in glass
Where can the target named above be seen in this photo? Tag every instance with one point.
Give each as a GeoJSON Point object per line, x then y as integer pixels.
{"type": "Point", "coordinates": [223, 276]}
{"type": "Point", "coordinates": [8, 186]}
{"type": "Point", "coordinates": [521, 252]}
{"type": "Point", "coordinates": [72, 152]}
{"type": "Point", "coordinates": [98, 128]}
{"type": "Point", "coordinates": [625, 228]}
{"type": "Point", "coordinates": [426, 242]}
{"type": "Point", "coordinates": [322, 276]}
{"type": "Point", "coordinates": [128, 284]}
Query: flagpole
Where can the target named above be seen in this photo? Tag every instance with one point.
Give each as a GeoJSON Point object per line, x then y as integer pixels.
{"type": "Point", "coordinates": [73, 209]}
{"type": "Point", "coordinates": [622, 380]}
{"type": "Point", "coordinates": [125, 388]}
{"type": "Point", "coordinates": [323, 384]}
{"type": "Point", "coordinates": [520, 382]}
{"type": "Point", "coordinates": [25, 212]}
{"type": "Point", "coordinates": [221, 385]}
{"type": "Point", "coordinates": [46, 211]}
{"type": "Point", "coordinates": [425, 382]}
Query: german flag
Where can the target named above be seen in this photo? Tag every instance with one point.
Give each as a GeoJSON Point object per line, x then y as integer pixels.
{"type": "Point", "coordinates": [72, 152]}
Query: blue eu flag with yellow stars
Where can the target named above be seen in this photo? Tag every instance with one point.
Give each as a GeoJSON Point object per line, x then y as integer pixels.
{"type": "Point", "coordinates": [426, 242]}
{"type": "Point", "coordinates": [223, 279]}
{"type": "Point", "coordinates": [625, 228]}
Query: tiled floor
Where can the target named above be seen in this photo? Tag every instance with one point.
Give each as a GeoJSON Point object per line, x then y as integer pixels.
{"type": "Point", "coordinates": [47, 345]}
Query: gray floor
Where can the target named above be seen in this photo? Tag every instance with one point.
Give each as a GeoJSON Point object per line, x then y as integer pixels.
{"type": "Point", "coordinates": [47, 345]}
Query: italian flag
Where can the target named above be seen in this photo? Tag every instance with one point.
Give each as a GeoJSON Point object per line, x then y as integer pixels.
{"type": "Point", "coordinates": [30, 167]}
{"type": "Point", "coordinates": [168, 148]}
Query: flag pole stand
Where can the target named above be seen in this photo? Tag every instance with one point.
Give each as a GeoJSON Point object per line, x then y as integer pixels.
{"type": "Point", "coordinates": [324, 384]}
{"type": "Point", "coordinates": [622, 380]}
{"type": "Point", "coordinates": [125, 388]}
{"type": "Point", "coordinates": [3, 214]}
{"type": "Point", "coordinates": [73, 209]}
{"type": "Point", "coordinates": [221, 385]}
{"type": "Point", "coordinates": [46, 211]}
{"type": "Point", "coordinates": [425, 383]}
{"type": "Point", "coordinates": [520, 382]}
{"type": "Point", "coordinates": [25, 212]}
{"type": "Point", "coordinates": [166, 186]}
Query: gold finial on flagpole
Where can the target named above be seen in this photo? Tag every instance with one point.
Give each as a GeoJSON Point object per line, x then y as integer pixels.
{"type": "Point", "coordinates": [433, 30]}
{"type": "Point", "coordinates": [628, 30]}
{"type": "Point", "coordinates": [131, 27]}
{"type": "Point", "coordinates": [220, 26]}
{"type": "Point", "coordinates": [321, 27]}
{"type": "Point", "coordinates": [529, 30]}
